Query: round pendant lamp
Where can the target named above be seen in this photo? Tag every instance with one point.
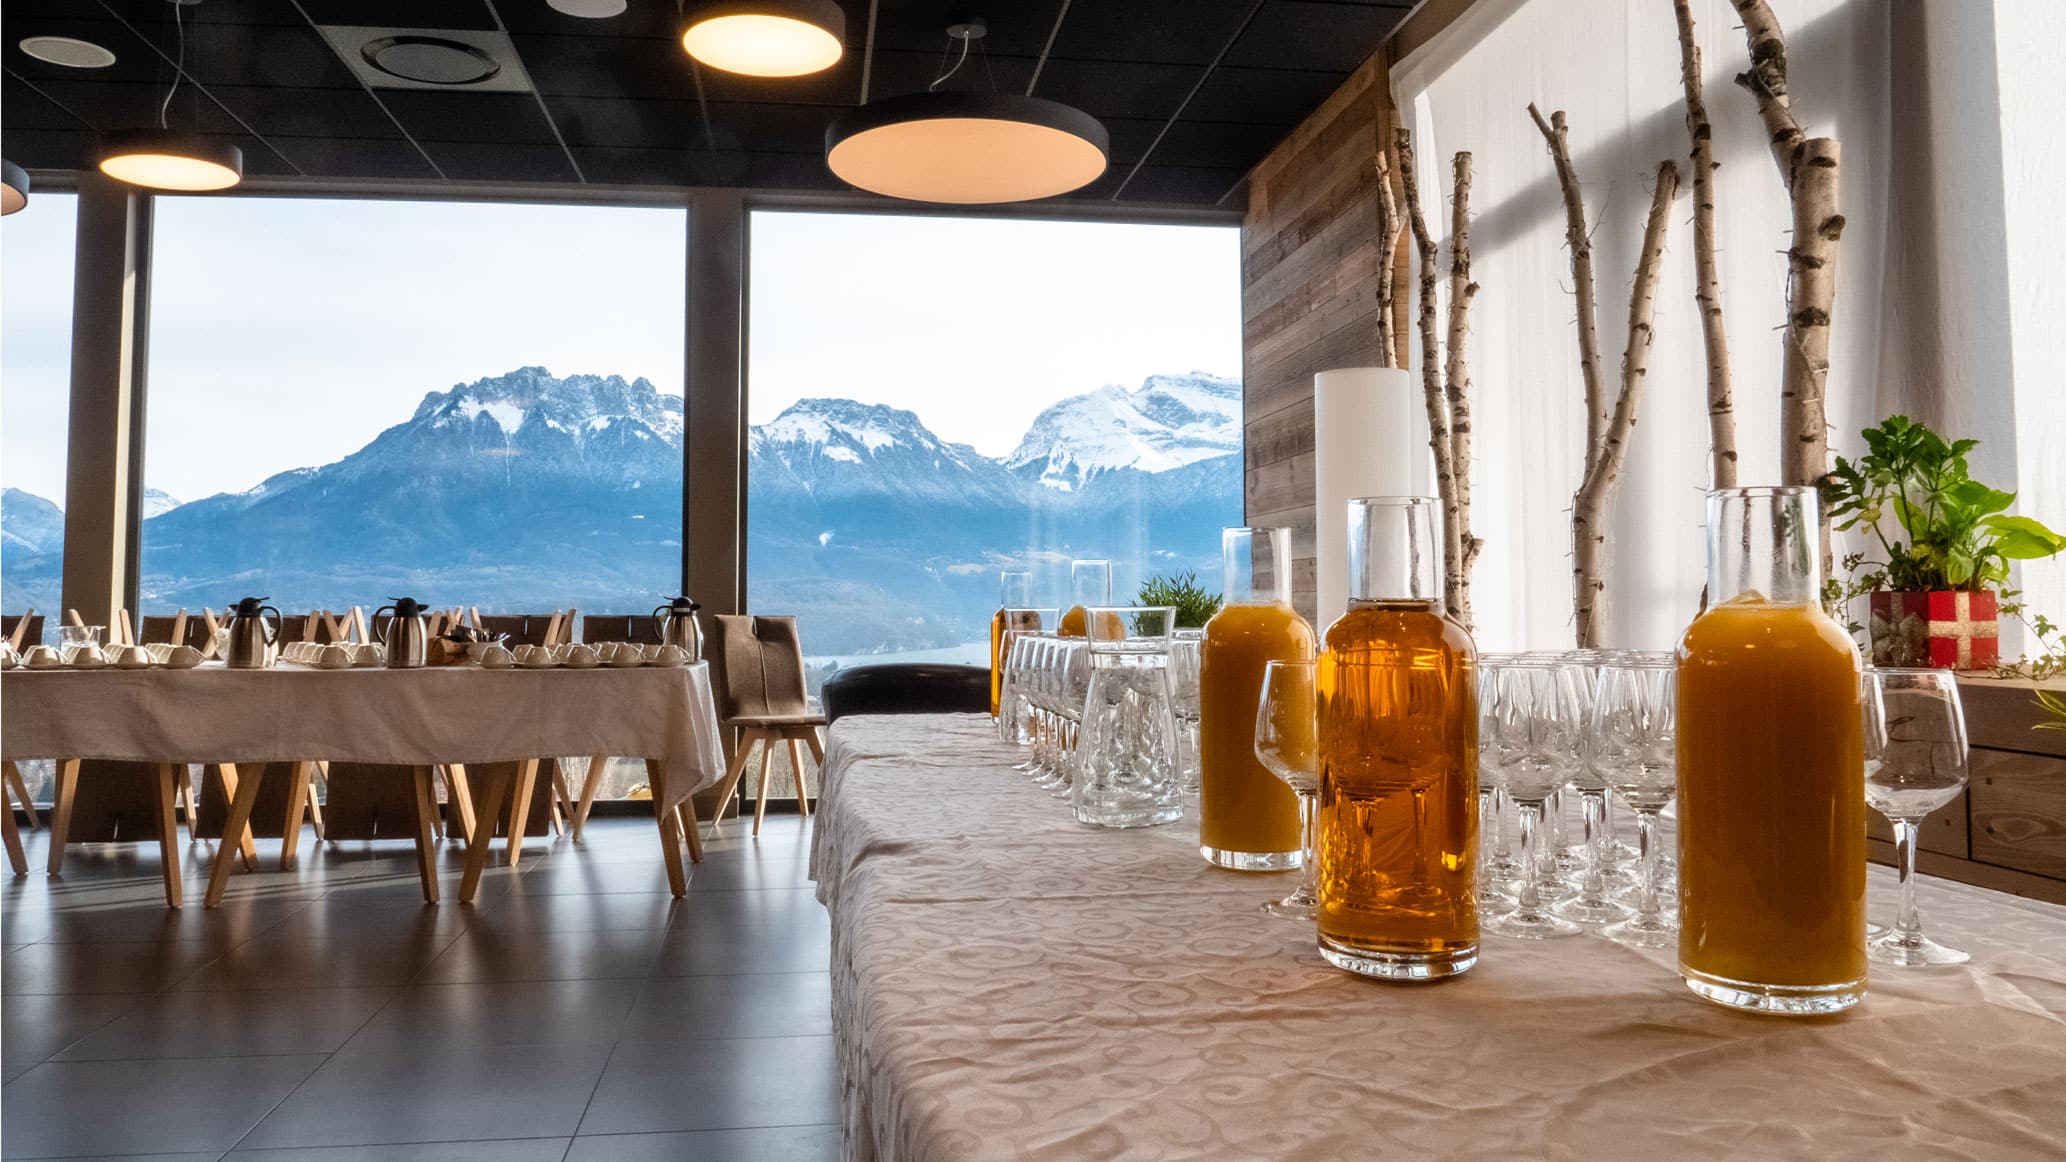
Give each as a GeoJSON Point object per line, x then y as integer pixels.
{"type": "Point", "coordinates": [14, 194]}
{"type": "Point", "coordinates": [967, 148]}
{"type": "Point", "coordinates": [163, 160]}
{"type": "Point", "coordinates": [766, 38]}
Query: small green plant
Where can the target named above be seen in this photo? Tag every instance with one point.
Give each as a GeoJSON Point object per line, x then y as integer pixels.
{"type": "Point", "coordinates": [2054, 705]}
{"type": "Point", "coordinates": [1194, 606]}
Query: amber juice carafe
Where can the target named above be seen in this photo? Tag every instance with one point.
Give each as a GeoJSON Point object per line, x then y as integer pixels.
{"type": "Point", "coordinates": [1771, 807]}
{"type": "Point", "coordinates": [1247, 817]}
{"type": "Point", "coordinates": [1396, 687]}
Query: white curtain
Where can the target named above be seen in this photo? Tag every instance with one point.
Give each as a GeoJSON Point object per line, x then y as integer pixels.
{"type": "Point", "coordinates": [1613, 65]}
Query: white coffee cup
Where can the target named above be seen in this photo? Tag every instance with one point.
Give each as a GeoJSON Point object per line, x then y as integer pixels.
{"type": "Point", "coordinates": [43, 658]}
{"type": "Point", "coordinates": [183, 657]}
{"type": "Point", "coordinates": [496, 657]}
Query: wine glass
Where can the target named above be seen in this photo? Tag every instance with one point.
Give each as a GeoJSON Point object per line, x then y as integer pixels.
{"type": "Point", "coordinates": [1915, 762]}
{"type": "Point", "coordinates": [1287, 743]}
{"type": "Point", "coordinates": [1496, 864]}
{"type": "Point", "coordinates": [1537, 735]}
{"type": "Point", "coordinates": [1633, 742]}
{"type": "Point", "coordinates": [1186, 655]}
{"type": "Point", "coordinates": [1591, 904]}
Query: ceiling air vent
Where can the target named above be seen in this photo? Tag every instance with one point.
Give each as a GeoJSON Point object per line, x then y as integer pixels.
{"type": "Point", "coordinates": [430, 58]}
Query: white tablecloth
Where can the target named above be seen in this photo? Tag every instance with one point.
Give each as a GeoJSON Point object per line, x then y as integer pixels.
{"type": "Point", "coordinates": [445, 714]}
{"type": "Point", "coordinates": [1010, 984]}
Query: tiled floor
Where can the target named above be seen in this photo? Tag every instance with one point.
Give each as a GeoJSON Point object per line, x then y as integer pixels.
{"type": "Point", "coordinates": [577, 1011]}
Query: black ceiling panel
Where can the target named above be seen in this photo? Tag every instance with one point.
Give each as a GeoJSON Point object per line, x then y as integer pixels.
{"type": "Point", "coordinates": [1192, 92]}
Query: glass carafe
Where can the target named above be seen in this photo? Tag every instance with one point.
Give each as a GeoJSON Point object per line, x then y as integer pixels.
{"type": "Point", "coordinates": [1771, 807]}
{"type": "Point", "coordinates": [1014, 611]}
{"type": "Point", "coordinates": [1247, 817]}
{"type": "Point", "coordinates": [1126, 772]}
{"type": "Point", "coordinates": [1396, 687]}
{"type": "Point", "coordinates": [1090, 583]}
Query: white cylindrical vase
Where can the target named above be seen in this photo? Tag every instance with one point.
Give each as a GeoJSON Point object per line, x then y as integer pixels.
{"type": "Point", "coordinates": [1362, 446]}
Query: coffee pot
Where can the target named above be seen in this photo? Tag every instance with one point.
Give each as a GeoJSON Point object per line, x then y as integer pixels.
{"type": "Point", "coordinates": [407, 636]}
{"type": "Point", "coordinates": [249, 642]}
{"type": "Point", "coordinates": [679, 627]}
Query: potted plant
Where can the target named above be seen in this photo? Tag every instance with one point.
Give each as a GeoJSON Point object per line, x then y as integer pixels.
{"type": "Point", "coordinates": [1193, 604]}
{"type": "Point", "coordinates": [1937, 597]}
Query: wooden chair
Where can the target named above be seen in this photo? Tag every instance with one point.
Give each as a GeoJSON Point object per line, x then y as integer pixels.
{"type": "Point", "coordinates": [608, 628]}
{"type": "Point", "coordinates": [756, 666]}
{"type": "Point", "coordinates": [120, 787]}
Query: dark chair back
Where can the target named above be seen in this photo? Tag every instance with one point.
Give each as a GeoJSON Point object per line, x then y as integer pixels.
{"type": "Point", "coordinates": [157, 630]}
{"type": "Point", "coordinates": [908, 688]}
{"type": "Point", "coordinates": [643, 630]}
{"type": "Point", "coordinates": [524, 629]}
{"type": "Point", "coordinates": [32, 636]}
{"type": "Point", "coordinates": [757, 667]}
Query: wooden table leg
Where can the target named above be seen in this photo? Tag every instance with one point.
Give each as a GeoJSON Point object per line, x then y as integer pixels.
{"type": "Point", "coordinates": [691, 827]}
{"type": "Point", "coordinates": [16, 857]}
{"type": "Point", "coordinates": [20, 788]}
{"type": "Point", "coordinates": [520, 808]}
{"type": "Point", "coordinates": [234, 840]}
{"type": "Point", "coordinates": [461, 795]}
{"type": "Point", "coordinates": [168, 834]}
{"type": "Point", "coordinates": [236, 828]}
{"type": "Point", "coordinates": [426, 843]}
{"type": "Point", "coordinates": [589, 786]}
{"type": "Point", "coordinates": [670, 828]}
{"type": "Point", "coordinates": [495, 781]}
{"type": "Point", "coordinates": [61, 812]}
{"type": "Point", "coordinates": [297, 811]}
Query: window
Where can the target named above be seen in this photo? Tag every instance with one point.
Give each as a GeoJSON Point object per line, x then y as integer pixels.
{"type": "Point", "coordinates": [934, 399]}
{"type": "Point", "coordinates": [35, 404]}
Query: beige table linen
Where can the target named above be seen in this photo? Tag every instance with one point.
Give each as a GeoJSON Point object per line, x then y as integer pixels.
{"type": "Point", "coordinates": [1008, 984]}
{"type": "Point", "coordinates": [446, 714]}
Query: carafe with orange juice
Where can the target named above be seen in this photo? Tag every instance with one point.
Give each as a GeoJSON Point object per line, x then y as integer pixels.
{"type": "Point", "coordinates": [1247, 817]}
{"type": "Point", "coordinates": [1771, 807]}
{"type": "Point", "coordinates": [1014, 611]}
{"type": "Point", "coordinates": [1396, 691]}
{"type": "Point", "coordinates": [1090, 583]}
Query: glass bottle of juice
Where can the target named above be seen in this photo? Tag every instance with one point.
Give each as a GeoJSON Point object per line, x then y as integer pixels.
{"type": "Point", "coordinates": [1090, 583]}
{"type": "Point", "coordinates": [1247, 817]}
{"type": "Point", "coordinates": [1397, 691]}
{"type": "Point", "coordinates": [1771, 759]}
{"type": "Point", "coordinates": [1014, 604]}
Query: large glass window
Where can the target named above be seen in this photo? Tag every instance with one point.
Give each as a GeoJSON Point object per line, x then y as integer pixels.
{"type": "Point", "coordinates": [471, 404]}
{"type": "Point", "coordinates": [934, 399]}
{"type": "Point", "coordinates": [35, 400]}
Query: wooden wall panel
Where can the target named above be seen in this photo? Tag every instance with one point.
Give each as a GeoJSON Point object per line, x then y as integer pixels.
{"type": "Point", "coordinates": [1309, 272]}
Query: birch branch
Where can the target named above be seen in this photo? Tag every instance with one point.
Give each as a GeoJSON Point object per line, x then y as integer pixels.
{"type": "Point", "coordinates": [1389, 228]}
{"type": "Point", "coordinates": [1554, 131]}
{"type": "Point", "coordinates": [1721, 401]}
{"type": "Point", "coordinates": [1430, 365]}
{"type": "Point", "coordinates": [1811, 294]}
{"type": "Point", "coordinates": [1766, 81]}
{"type": "Point", "coordinates": [1457, 385]}
{"type": "Point", "coordinates": [1588, 511]}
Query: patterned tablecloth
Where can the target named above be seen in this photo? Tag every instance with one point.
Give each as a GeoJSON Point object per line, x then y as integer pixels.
{"type": "Point", "coordinates": [1010, 984]}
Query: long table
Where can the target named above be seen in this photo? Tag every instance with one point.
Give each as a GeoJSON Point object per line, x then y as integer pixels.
{"type": "Point", "coordinates": [1009, 984]}
{"type": "Point", "coordinates": [502, 720]}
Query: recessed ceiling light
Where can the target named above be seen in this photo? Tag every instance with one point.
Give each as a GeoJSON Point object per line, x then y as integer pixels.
{"type": "Point", "coordinates": [766, 38]}
{"type": "Point", "coordinates": [68, 51]}
{"type": "Point", "coordinates": [430, 60]}
{"type": "Point", "coordinates": [587, 9]}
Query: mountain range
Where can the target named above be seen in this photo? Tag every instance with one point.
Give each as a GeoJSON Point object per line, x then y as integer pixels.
{"type": "Point", "coordinates": [528, 491]}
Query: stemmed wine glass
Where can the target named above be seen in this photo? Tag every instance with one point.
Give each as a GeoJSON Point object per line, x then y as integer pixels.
{"type": "Point", "coordinates": [1496, 864]}
{"type": "Point", "coordinates": [1632, 742]}
{"type": "Point", "coordinates": [1590, 904]}
{"type": "Point", "coordinates": [1287, 730]}
{"type": "Point", "coordinates": [1915, 762]}
{"type": "Point", "coordinates": [1537, 736]}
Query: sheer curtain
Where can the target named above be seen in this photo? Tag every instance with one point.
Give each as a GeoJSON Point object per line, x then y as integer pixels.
{"type": "Point", "coordinates": [1613, 65]}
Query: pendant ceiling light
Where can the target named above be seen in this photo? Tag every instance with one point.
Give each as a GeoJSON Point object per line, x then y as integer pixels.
{"type": "Point", "coordinates": [164, 160]}
{"type": "Point", "coordinates": [766, 38]}
{"type": "Point", "coordinates": [967, 148]}
{"type": "Point", "coordinates": [15, 193]}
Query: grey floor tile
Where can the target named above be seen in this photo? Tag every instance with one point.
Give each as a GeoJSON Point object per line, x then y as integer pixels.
{"type": "Point", "coordinates": [695, 952]}
{"type": "Point", "coordinates": [519, 912]}
{"type": "Point", "coordinates": [383, 1094]}
{"type": "Point", "coordinates": [531, 1012]}
{"type": "Point", "coordinates": [150, 921]}
{"type": "Point", "coordinates": [756, 908]}
{"type": "Point", "coordinates": [786, 1004]}
{"type": "Point", "coordinates": [129, 1107]}
{"type": "Point", "coordinates": [370, 961]}
{"type": "Point", "coordinates": [233, 1024]}
{"type": "Point", "coordinates": [356, 917]}
{"type": "Point", "coordinates": [599, 955]}
{"type": "Point", "coordinates": [195, 1156]}
{"type": "Point", "coordinates": [508, 1150]}
{"type": "Point", "coordinates": [34, 1028]}
{"type": "Point", "coordinates": [102, 968]}
{"type": "Point", "coordinates": [590, 876]}
{"type": "Point", "coordinates": [658, 1086]}
{"type": "Point", "coordinates": [774, 1144]}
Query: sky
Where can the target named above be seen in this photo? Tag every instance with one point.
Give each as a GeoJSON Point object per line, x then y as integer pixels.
{"type": "Point", "coordinates": [325, 321]}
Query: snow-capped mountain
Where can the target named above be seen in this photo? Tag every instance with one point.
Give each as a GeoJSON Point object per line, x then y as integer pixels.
{"type": "Point", "coordinates": [157, 501]}
{"type": "Point", "coordinates": [1167, 422]}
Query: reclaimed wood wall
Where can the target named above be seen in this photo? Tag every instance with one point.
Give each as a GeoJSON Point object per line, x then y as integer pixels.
{"type": "Point", "coordinates": [1309, 275]}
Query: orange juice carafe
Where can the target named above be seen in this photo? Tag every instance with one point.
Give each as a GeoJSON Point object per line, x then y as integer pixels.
{"type": "Point", "coordinates": [1090, 584]}
{"type": "Point", "coordinates": [1014, 611]}
{"type": "Point", "coordinates": [1396, 692]}
{"type": "Point", "coordinates": [1771, 799]}
{"type": "Point", "coordinates": [1247, 817]}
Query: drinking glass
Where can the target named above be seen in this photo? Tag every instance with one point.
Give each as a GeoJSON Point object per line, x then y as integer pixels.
{"type": "Point", "coordinates": [1287, 742]}
{"type": "Point", "coordinates": [1124, 774]}
{"type": "Point", "coordinates": [1186, 652]}
{"type": "Point", "coordinates": [73, 638]}
{"type": "Point", "coordinates": [1915, 762]}
{"type": "Point", "coordinates": [1590, 904]}
{"type": "Point", "coordinates": [1632, 739]}
{"type": "Point", "coordinates": [1537, 735]}
{"type": "Point", "coordinates": [1496, 864]}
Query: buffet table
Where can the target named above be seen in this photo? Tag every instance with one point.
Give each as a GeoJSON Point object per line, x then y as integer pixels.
{"type": "Point", "coordinates": [410, 718]}
{"type": "Point", "coordinates": [1010, 984]}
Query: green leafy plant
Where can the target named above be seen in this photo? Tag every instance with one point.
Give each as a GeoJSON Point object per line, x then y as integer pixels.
{"type": "Point", "coordinates": [1954, 531]}
{"type": "Point", "coordinates": [1194, 606]}
{"type": "Point", "coordinates": [2055, 705]}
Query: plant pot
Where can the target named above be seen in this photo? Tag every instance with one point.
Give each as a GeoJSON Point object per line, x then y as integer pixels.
{"type": "Point", "coordinates": [1945, 628]}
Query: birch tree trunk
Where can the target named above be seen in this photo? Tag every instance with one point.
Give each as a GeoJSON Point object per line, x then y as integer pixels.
{"type": "Point", "coordinates": [1721, 402]}
{"type": "Point", "coordinates": [1457, 387]}
{"type": "Point", "coordinates": [1579, 241]}
{"type": "Point", "coordinates": [1388, 230]}
{"type": "Point", "coordinates": [1432, 391]}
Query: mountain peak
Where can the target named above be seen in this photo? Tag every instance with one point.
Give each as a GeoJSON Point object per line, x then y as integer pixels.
{"type": "Point", "coordinates": [574, 404]}
{"type": "Point", "coordinates": [1167, 422]}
